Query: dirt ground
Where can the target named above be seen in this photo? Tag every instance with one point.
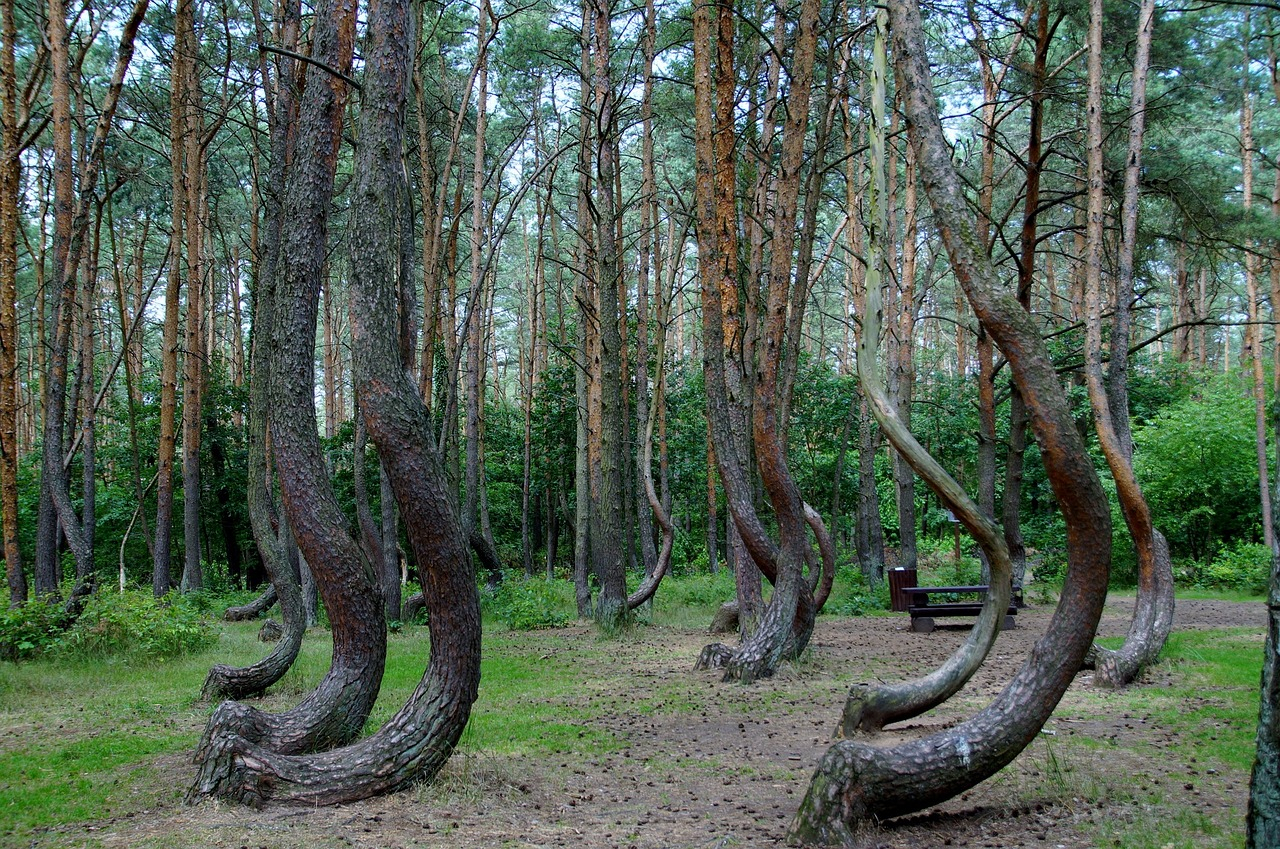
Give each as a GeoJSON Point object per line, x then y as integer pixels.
{"type": "Point", "coordinates": [730, 773]}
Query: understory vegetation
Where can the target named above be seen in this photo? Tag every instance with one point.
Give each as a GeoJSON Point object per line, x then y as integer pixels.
{"type": "Point", "coordinates": [90, 736]}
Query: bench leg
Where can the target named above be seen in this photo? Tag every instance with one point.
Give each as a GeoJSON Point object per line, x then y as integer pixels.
{"type": "Point", "coordinates": [922, 624]}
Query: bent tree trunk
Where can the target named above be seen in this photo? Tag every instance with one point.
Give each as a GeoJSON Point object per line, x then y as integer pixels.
{"type": "Point", "coordinates": [787, 623]}
{"type": "Point", "coordinates": [1153, 608]}
{"type": "Point", "coordinates": [821, 580]}
{"type": "Point", "coordinates": [1262, 824]}
{"type": "Point", "coordinates": [253, 609]}
{"type": "Point", "coordinates": [869, 707]}
{"type": "Point", "coordinates": [336, 710]}
{"type": "Point", "coordinates": [650, 585]}
{"type": "Point", "coordinates": [855, 782]}
{"type": "Point", "coordinates": [419, 738]}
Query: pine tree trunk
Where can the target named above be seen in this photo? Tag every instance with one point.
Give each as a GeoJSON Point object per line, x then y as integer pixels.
{"type": "Point", "coordinates": [336, 710]}
{"type": "Point", "coordinates": [419, 738]}
{"type": "Point", "coordinates": [855, 782]}
{"type": "Point", "coordinates": [1153, 608]}
{"type": "Point", "coordinates": [10, 185]}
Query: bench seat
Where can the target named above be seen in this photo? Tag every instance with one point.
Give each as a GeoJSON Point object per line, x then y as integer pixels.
{"type": "Point", "coordinates": [923, 612]}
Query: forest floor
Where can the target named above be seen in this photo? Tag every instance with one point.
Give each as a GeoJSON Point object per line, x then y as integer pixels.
{"type": "Point", "coordinates": [586, 742]}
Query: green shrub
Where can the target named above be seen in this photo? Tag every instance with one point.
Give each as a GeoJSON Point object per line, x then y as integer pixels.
{"type": "Point", "coordinates": [525, 604]}
{"type": "Point", "coordinates": [134, 623]}
{"type": "Point", "coordinates": [29, 630]}
{"type": "Point", "coordinates": [1246, 566]}
{"type": "Point", "coordinates": [850, 595]}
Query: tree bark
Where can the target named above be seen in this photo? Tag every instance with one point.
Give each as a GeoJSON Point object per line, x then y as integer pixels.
{"type": "Point", "coordinates": [856, 782]}
{"type": "Point", "coordinates": [419, 738]}
{"type": "Point", "coordinates": [10, 185]}
{"type": "Point", "coordinates": [253, 609]}
{"type": "Point", "coordinates": [270, 530]}
{"type": "Point", "coordinates": [607, 509]}
{"type": "Point", "coordinates": [336, 710]}
{"type": "Point", "coordinates": [1262, 822]}
{"type": "Point", "coordinates": [1153, 609]}
{"type": "Point", "coordinates": [870, 707]}
{"type": "Point", "coordinates": [71, 214]}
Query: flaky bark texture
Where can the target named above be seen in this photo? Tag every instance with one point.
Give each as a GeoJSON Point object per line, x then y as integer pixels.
{"type": "Point", "coordinates": [784, 629]}
{"type": "Point", "coordinates": [419, 738]}
{"type": "Point", "coordinates": [10, 185]}
{"type": "Point", "coordinates": [869, 707]}
{"type": "Point", "coordinates": [225, 681]}
{"type": "Point", "coordinates": [855, 782]}
{"type": "Point", "coordinates": [335, 712]}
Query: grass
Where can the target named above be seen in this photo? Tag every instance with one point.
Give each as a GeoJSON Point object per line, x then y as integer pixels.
{"type": "Point", "coordinates": [88, 741]}
{"type": "Point", "coordinates": [1167, 793]}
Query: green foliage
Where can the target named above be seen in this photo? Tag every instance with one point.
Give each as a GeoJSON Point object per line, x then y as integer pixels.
{"type": "Point", "coordinates": [135, 624]}
{"type": "Point", "coordinates": [28, 630]}
{"type": "Point", "coordinates": [1198, 465]}
{"type": "Point", "coordinates": [527, 604]}
{"type": "Point", "coordinates": [850, 595]}
{"type": "Point", "coordinates": [1245, 566]}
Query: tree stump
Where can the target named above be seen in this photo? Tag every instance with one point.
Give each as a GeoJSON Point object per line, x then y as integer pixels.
{"type": "Point", "coordinates": [270, 632]}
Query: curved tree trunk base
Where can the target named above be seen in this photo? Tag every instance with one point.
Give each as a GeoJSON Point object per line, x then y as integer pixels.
{"type": "Point", "coordinates": [782, 634]}
{"type": "Point", "coordinates": [1152, 622]}
{"type": "Point", "coordinates": [332, 715]}
{"type": "Point", "coordinates": [726, 619]}
{"type": "Point", "coordinates": [231, 682]}
{"type": "Point", "coordinates": [253, 609]}
{"type": "Point", "coordinates": [714, 656]}
{"type": "Point", "coordinates": [410, 748]}
{"type": "Point", "coordinates": [871, 707]}
{"type": "Point", "coordinates": [413, 606]}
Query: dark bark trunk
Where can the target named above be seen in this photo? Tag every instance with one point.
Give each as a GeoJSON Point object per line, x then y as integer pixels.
{"type": "Point", "coordinates": [855, 782]}
{"type": "Point", "coordinates": [336, 710]}
{"type": "Point", "coordinates": [1262, 822]}
{"type": "Point", "coordinates": [388, 567]}
{"type": "Point", "coordinates": [608, 507]}
{"type": "Point", "coordinates": [269, 529]}
{"type": "Point", "coordinates": [419, 738]}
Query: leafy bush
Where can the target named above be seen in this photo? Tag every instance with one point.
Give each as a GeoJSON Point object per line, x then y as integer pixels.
{"type": "Point", "coordinates": [29, 630]}
{"type": "Point", "coordinates": [525, 604]}
{"type": "Point", "coordinates": [1246, 567]}
{"type": "Point", "coordinates": [131, 624]}
{"type": "Point", "coordinates": [1198, 465]}
{"type": "Point", "coordinates": [850, 595]}
{"type": "Point", "coordinates": [134, 623]}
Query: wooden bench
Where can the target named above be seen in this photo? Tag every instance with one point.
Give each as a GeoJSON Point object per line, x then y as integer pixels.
{"type": "Point", "coordinates": [923, 611]}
